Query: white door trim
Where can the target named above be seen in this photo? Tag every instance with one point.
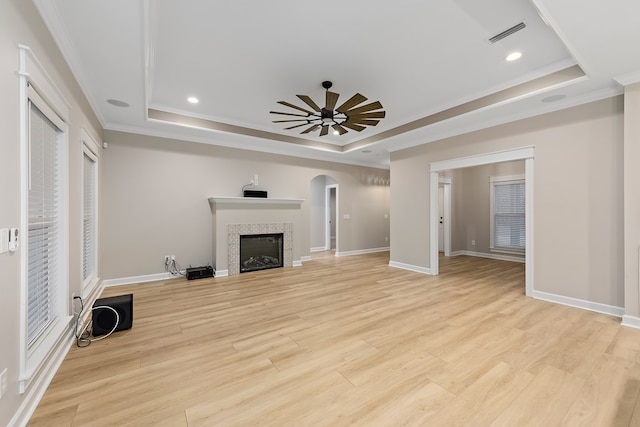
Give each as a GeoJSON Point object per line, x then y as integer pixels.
{"type": "Point", "coordinates": [445, 183]}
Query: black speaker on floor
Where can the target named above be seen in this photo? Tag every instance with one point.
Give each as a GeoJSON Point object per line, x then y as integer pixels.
{"type": "Point", "coordinates": [104, 319]}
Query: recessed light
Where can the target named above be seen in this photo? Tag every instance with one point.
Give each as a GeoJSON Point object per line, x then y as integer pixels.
{"type": "Point", "coordinates": [193, 100]}
{"type": "Point", "coordinates": [118, 103]}
{"type": "Point", "coordinates": [513, 56]}
{"type": "Point", "coordinates": [554, 98]}
{"type": "Point", "coordinates": [335, 132]}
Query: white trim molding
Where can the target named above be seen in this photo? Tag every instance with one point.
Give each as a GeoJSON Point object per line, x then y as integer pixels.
{"type": "Point", "coordinates": [580, 303]}
{"type": "Point", "coordinates": [629, 78]}
{"type": "Point", "coordinates": [631, 321]}
{"type": "Point", "coordinates": [497, 256]}
{"type": "Point", "coordinates": [138, 279]}
{"type": "Point", "coordinates": [221, 273]}
{"type": "Point", "coordinates": [414, 268]}
{"type": "Point", "coordinates": [305, 258]}
{"type": "Point", "coordinates": [362, 251]}
{"type": "Point", "coordinates": [296, 263]}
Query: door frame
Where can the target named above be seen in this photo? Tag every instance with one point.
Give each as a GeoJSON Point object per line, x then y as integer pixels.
{"type": "Point", "coordinates": [327, 222]}
{"type": "Point", "coordinates": [445, 183]}
{"type": "Point", "coordinates": [524, 153]}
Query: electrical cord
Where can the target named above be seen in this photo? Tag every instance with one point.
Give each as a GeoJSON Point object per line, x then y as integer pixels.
{"type": "Point", "coordinates": [174, 268]}
{"type": "Point", "coordinates": [83, 336]}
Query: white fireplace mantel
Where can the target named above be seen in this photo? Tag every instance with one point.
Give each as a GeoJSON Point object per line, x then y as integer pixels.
{"type": "Point", "coordinates": [234, 216]}
{"type": "Point", "coordinates": [263, 202]}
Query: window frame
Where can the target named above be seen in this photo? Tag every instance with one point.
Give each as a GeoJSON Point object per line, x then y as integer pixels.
{"type": "Point", "coordinates": [493, 182]}
{"type": "Point", "coordinates": [90, 150]}
{"type": "Point", "coordinates": [37, 87]}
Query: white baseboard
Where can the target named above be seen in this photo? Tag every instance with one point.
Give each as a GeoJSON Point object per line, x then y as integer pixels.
{"type": "Point", "coordinates": [415, 268]}
{"type": "Point", "coordinates": [305, 258]}
{"type": "Point", "coordinates": [500, 257]}
{"type": "Point", "coordinates": [297, 263]}
{"type": "Point", "coordinates": [39, 384]}
{"type": "Point", "coordinates": [580, 303]}
{"type": "Point", "coordinates": [362, 251]}
{"type": "Point", "coordinates": [138, 279]}
{"type": "Point", "coordinates": [221, 273]}
{"type": "Point", "coordinates": [631, 321]}
{"type": "Point", "coordinates": [318, 249]}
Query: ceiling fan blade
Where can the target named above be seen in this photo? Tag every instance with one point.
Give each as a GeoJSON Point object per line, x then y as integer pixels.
{"type": "Point", "coordinates": [369, 115]}
{"type": "Point", "coordinates": [309, 102]}
{"type": "Point", "coordinates": [365, 122]}
{"type": "Point", "coordinates": [294, 106]}
{"type": "Point", "coordinates": [353, 126]}
{"type": "Point", "coordinates": [310, 129]}
{"type": "Point", "coordinates": [289, 114]}
{"type": "Point", "coordinates": [295, 126]}
{"type": "Point", "coordinates": [324, 130]}
{"type": "Point", "coordinates": [292, 120]}
{"type": "Point", "coordinates": [365, 108]}
{"type": "Point", "coordinates": [331, 99]}
{"type": "Point", "coordinates": [351, 102]}
{"type": "Point", "coordinates": [340, 129]}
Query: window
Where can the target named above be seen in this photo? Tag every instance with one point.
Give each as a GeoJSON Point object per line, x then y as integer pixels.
{"type": "Point", "coordinates": [508, 213]}
{"type": "Point", "coordinates": [89, 218]}
{"type": "Point", "coordinates": [44, 206]}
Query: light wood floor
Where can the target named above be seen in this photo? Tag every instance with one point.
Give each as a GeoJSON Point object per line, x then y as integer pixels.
{"type": "Point", "coordinates": [351, 341]}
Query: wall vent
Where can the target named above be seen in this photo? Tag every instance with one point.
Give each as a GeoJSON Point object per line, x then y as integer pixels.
{"type": "Point", "coordinates": [508, 32]}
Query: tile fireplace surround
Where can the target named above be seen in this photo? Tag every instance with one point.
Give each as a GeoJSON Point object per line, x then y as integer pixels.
{"type": "Point", "coordinates": [235, 216]}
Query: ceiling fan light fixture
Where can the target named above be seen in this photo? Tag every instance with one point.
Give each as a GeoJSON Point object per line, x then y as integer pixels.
{"type": "Point", "coordinates": [349, 115]}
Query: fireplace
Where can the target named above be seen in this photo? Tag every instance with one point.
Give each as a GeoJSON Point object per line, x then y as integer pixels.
{"type": "Point", "coordinates": [241, 216]}
{"type": "Point", "coordinates": [261, 251]}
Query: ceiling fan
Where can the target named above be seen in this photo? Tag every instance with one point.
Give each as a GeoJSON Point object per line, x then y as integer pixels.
{"type": "Point", "coordinates": [348, 115]}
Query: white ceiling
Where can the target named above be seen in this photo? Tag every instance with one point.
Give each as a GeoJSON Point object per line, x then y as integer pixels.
{"type": "Point", "coordinates": [418, 58]}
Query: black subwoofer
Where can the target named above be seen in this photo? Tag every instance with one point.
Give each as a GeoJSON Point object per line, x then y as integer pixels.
{"type": "Point", "coordinates": [104, 319]}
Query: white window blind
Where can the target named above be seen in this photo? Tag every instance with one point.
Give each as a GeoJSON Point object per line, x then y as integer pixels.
{"type": "Point", "coordinates": [89, 218]}
{"type": "Point", "coordinates": [43, 222]}
{"type": "Point", "coordinates": [509, 215]}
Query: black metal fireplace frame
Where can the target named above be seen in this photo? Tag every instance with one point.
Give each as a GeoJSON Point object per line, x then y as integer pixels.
{"type": "Point", "coordinates": [261, 264]}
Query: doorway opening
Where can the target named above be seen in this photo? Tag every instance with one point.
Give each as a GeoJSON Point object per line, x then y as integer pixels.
{"type": "Point", "coordinates": [324, 227]}
{"type": "Point", "coordinates": [331, 203]}
{"type": "Point", "coordinates": [526, 154]}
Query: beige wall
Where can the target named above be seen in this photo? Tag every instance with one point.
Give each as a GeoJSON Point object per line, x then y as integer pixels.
{"type": "Point", "coordinates": [21, 24]}
{"type": "Point", "coordinates": [470, 204]}
{"type": "Point", "coordinates": [578, 181]}
{"type": "Point", "coordinates": [156, 190]}
{"type": "Point", "coordinates": [632, 199]}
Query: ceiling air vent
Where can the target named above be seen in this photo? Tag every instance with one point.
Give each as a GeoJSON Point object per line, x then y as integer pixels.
{"type": "Point", "coordinates": [508, 32]}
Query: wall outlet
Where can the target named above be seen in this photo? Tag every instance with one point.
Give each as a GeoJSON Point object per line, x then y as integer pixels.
{"type": "Point", "coordinates": [167, 259]}
{"type": "Point", "coordinates": [3, 382]}
{"type": "Point", "coordinates": [473, 243]}
{"type": "Point", "coordinates": [386, 239]}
